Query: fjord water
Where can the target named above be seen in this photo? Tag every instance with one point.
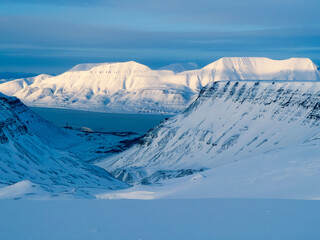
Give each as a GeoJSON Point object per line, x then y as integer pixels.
{"type": "Point", "coordinates": [101, 122]}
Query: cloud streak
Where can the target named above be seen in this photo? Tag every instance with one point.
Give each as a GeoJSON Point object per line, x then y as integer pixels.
{"type": "Point", "coordinates": [252, 12]}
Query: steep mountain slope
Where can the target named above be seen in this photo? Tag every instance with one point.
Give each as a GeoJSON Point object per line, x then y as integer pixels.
{"type": "Point", "coordinates": [229, 122]}
{"type": "Point", "coordinates": [29, 151]}
{"type": "Point", "coordinates": [133, 87]}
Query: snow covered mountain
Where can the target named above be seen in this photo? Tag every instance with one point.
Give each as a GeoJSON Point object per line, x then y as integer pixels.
{"type": "Point", "coordinates": [133, 87]}
{"type": "Point", "coordinates": [13, 86]}
{"type": "Point", "coordinates": [258, 68]}
{"type": "Point", "coordinates": [31, 153]}
{"type": "Point", "coordinates": [231, 122]}
{"type": "Point", "coordinates": [118, 87]}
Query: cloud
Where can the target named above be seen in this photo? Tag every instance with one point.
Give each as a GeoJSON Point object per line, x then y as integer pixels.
{"type": "Point", "coordinates": [45, 33]}
{"type": "Point", "coordinates": [252, 12]}
{"type": "Point", "coordinates": [156, 32]}
{"type": "Point", "coordinates": [268, 13]}
{"type": "Point", "coordinates": [84, 3]}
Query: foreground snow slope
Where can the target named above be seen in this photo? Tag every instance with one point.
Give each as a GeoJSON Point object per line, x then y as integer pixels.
{"type": "Point", "coordinates": [30, 149]}
{"type": "Point", "coordinates": [133, 87]}
{"type": "Point", "coordinates": [227, 219]}
{"type": "Point", "coordinates": [287, 174]}
{"type": "Point", "coordinates": [228, 123]}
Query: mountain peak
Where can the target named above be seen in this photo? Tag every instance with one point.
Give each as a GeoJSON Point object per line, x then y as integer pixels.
{"type": "Point", "coordinates": [85, 66]}
{"type": "Point", "coordinates": [107, 65]}
{"type": "Point", "coordinates": [303, 63]}
{"type": "Point", "coordinates": [92, 66]}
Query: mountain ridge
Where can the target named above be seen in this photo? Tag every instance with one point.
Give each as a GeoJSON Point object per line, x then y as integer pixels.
{"type": "Point", "coordinates": [134, 87]}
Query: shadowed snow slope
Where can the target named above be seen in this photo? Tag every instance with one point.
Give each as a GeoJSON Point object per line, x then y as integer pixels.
{"type": "Point", "coordinates": [133, 87]}
{"type": "Point", "coordinates": [29, 150]}
{"type": "Point", "coordinates": [230, 122]}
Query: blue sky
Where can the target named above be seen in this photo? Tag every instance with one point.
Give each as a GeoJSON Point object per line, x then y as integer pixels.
{"type": "Point", "coordinates": [52, 36]}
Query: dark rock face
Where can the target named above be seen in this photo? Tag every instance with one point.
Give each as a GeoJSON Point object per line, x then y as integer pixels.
{"type": "Point", "coordinates": [10, 123]}
{"type": "Point", "coordinates": [229, 121]}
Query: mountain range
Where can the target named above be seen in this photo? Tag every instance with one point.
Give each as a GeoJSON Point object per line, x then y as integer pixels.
{"type": "Point", "coordinates": [133, 87]}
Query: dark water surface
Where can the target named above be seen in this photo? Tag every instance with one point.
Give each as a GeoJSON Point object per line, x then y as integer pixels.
{"type": "Point", "coordinates": [97, 121]}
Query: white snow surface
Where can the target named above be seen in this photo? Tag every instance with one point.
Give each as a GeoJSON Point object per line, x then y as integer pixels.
{"type": "Point", "coordinates": [133, 87]}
